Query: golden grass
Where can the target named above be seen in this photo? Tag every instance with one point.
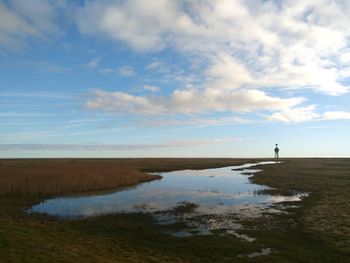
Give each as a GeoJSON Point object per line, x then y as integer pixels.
{"type": "Point", "coordinates": [66, 176]}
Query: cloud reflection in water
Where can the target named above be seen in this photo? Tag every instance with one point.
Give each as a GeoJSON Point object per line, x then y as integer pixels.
{"type": "Point", "coordinates": [216, 191]}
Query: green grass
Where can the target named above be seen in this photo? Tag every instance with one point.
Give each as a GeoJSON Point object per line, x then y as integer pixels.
{"type": "Point", "coordinates": [317, 231]}
{"type": "Point", "coordinates": [326, 212]}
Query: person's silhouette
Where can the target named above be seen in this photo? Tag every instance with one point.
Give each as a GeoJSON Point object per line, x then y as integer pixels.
{"type": "Point", "coordinates": [277, 151]}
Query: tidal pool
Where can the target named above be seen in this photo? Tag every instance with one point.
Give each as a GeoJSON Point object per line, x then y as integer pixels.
{"type": "Point", "coordinates": [219, 191]}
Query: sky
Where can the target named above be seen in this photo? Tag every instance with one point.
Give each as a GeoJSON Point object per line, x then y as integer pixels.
{"type": "Point", "coordinates": [165, 78]}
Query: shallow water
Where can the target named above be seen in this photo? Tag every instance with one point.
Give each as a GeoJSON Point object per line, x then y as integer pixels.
{"type": "Point", "coordinates": [215, 192]}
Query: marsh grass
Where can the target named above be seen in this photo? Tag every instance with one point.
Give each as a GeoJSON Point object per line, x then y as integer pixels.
{"type": "Point", "coordinates": [70, 176]}
{"type": "Point", "coordinates": [317, 231]}
{"type": "Point", "coordinates": [326, 211]}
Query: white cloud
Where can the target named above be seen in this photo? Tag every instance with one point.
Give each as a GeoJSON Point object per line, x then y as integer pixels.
{"type": "Point", "coordinates": [289, 44]}
{"type": "Point", "coordinates": [197, 101]}
{"type": "Point", "coordinates": [151, 88]}
{"type": "Point", "coordinates": [154, 65]}
{"type": "Point", "coordinates": [136, 23]}
{"type": "Point", "coordinates": [297, 114]}
{"type": "Point", "coordinates": [22, 19]}
{"type": "Point", "coordinates": [122, 102]}
{"type": "Point", "coordinates": [193, 121]}
{"type": "Point", "coordinates": [228, 73]}
{"type": "Point", "coordinates": [336, 115]}
{"type": "Point", "coordinates": [235, 50]}
{"type": "Point", "coordinates": [189, 102]}
{"type": "Point", "coordinates": [303, 114]}
{"type": "Point", "coordinates": [344, 58]}
{"type": "Point", "coordinates": [126, 71]}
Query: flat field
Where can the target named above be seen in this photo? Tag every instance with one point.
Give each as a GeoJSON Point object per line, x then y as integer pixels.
{"type": "Point", "coordinates": [315, 230]}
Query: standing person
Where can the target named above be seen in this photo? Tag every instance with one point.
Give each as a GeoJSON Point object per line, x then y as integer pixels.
{"type": "Point", "coordinates": [277, 151]}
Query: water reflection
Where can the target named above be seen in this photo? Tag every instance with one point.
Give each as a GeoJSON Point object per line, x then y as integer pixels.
{"type": "Point", "coordinates": [216, 191]}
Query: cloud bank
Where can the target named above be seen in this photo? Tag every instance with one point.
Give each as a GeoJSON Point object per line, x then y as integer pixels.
{"type": "Point", "coordinates": [189, 102]}
{"type": "Point", "coordinates": [242, 54]}
{"type": "Point", "coordinates": [113, 147]}
{"type": "Point", "coordinates": [21, 20]}
{"type": "Point", "coordinates": [290, 44]}
{"type": "Point", "coordinates": [244, 48]}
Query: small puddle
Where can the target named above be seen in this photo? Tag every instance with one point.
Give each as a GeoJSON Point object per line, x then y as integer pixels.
{"type": "Point", "coordinates": [263, 252]}
{"type": "Point", "coordinates": [206, 200]}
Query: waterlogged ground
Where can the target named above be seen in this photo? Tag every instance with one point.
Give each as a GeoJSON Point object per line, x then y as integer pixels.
{"type": "Point", "coordinates": [198, 201]}
{"type": "Point", "coordinates": [257, 227]}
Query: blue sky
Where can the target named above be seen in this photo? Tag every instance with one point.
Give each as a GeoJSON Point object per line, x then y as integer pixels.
{"type": "Point", "coordinates": [174, 78]}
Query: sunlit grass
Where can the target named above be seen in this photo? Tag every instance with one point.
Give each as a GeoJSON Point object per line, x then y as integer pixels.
{"type": "Point", "coordinates": [63, 176]}
{"type": "Point", "coordinates": [66, 176]}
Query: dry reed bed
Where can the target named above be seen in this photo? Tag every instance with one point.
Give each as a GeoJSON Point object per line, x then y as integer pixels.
{"type": "Point", "coordinates": [60, 177]}
{"type": "Point", "coordinates": [64, 176]}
